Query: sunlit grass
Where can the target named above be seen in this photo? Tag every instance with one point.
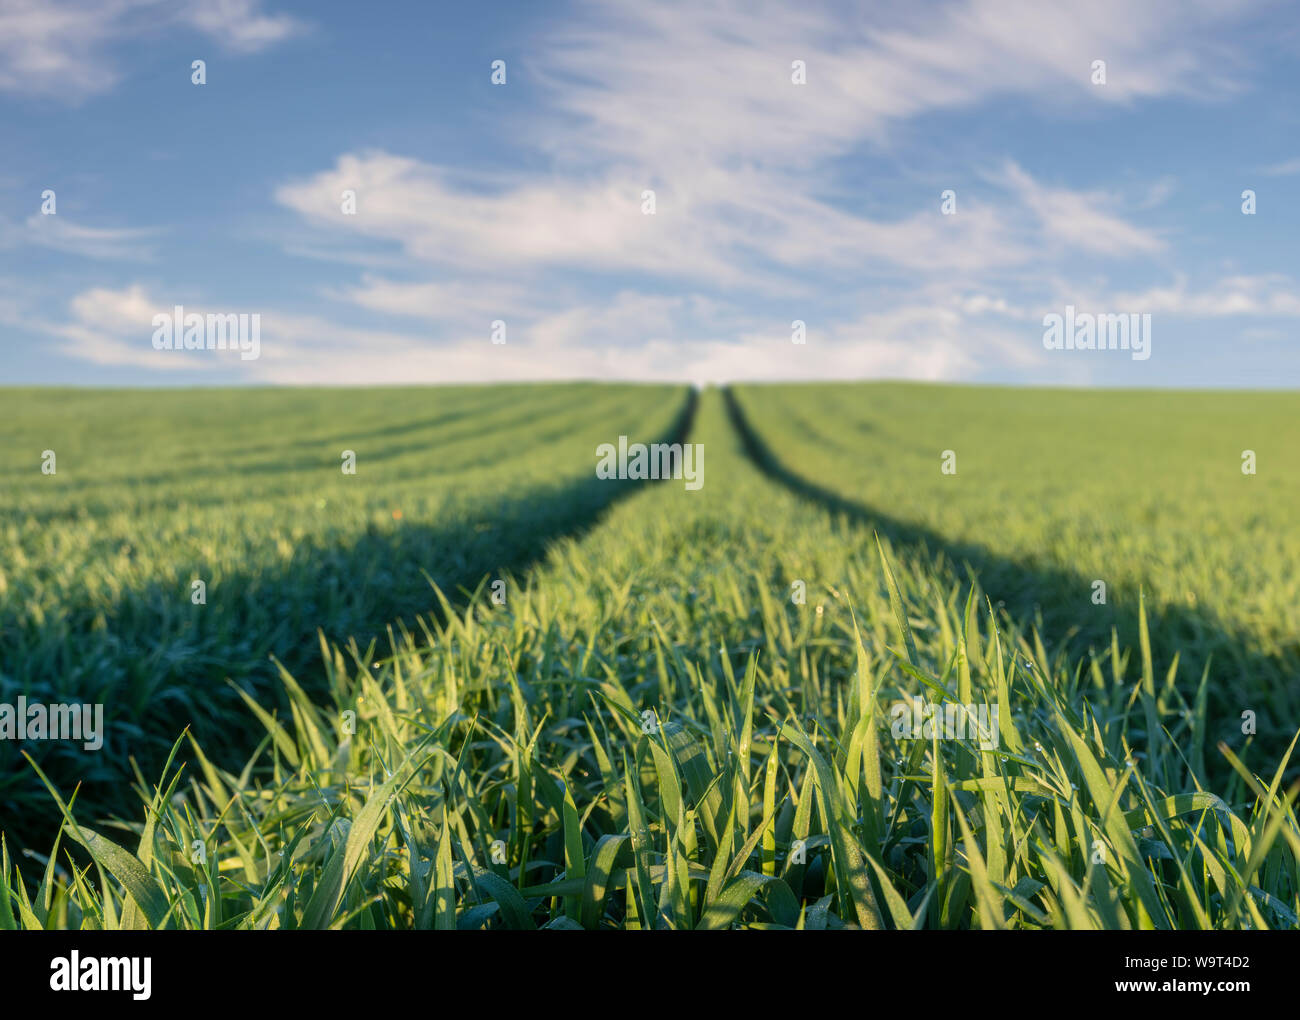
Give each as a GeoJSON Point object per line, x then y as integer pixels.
{"type": "Point", "coordinates": [651, 733]}
{"type": "Point", "coordinates": [245, 492]}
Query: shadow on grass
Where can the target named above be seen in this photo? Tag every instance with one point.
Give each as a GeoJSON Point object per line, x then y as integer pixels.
{"type": "Point", "coordinates": [157, 670]}
{"type": "Point", "coordinates": [1240, 676]}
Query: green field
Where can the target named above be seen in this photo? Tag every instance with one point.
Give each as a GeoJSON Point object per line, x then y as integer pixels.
{"type": "Point", "coordinates": [1057, 489]}
{"type": "Point", "coordinates": [246, 492]}
{"type": "Point", "coordinates": [650, 731]}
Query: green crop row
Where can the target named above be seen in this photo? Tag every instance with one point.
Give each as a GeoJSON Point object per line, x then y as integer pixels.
{"type": "Point", "coordinates": [246, 492]}
{"type": "Point", "coordinates": [696, 715]}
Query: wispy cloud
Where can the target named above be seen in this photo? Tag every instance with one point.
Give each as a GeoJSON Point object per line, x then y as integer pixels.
{"type": "Point", "coordinates": [435, 302]}
{"type": "Point", "coordinates": [61, 234]}
{"type": "Point", "coordinates": [1283, 169]}
{"type": "Point", "coordinates": [732, 230]}
{"type": "Point", "coordinates": [65, 48]}
{"type": "Point", "coordinates": [709, 81]}
{"type": "Point", "coordinates": [240, 26]}
{"type": "Point", "coordinates": [766, 209]}
{"type": "Point", "coordinates": [696, 102]}
{"type": "Point", "coordinates": [112, 327]}
{"type": "Point", "coordinates": [1085, 221]}
{"type": "Point", "coordinates": [1267, 295]}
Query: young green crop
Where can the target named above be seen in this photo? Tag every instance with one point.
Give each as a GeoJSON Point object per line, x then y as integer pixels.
{"type": "Point", "coordinates": [1053, 493]}
{"type": "Point", "coordinates": [651, 732]}
{"type": "Point", "coordinates": [246, 492]}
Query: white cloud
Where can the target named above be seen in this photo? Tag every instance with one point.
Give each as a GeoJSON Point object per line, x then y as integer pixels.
{"type": "Point", "coordinates": [437, 302]}
{"type": "Point", "coordinates": [743, 230]}
{"type": "Point", "coordinates": [63, 48]}
{"type": "Point", "coordinates": [695, 102]}
{"type": "Point", "coordinates": [240, 25]}
{"type": "Point", "coordinates": [61, 234]}
{"type": "Point", "coordinates": [708, 80]}
{"type": "Point", "coordinates": [112, 327]}
{"type": "Point", "coordinates": [633, 336]}
{"type": "Point", "coordinates": [115, 327]}
{"type": "Point", "coordinates": [1081, 220]}
{"type": "Point", "coordinates": [1266, 295]}
{"type": "Point", "coordinates": [937, 335]}
{"type": "Point", "coordinates": [1283, 169]}
{"type": "Point", "coordinates": [577, 222]}
{"type": "Point", "coordinates": [50, 47]}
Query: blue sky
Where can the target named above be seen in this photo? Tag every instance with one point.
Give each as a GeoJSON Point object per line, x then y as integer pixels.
{"type": "Point", "coordinates": [774, 201]}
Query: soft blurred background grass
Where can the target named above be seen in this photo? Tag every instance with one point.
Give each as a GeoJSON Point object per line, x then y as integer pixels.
{"type": "Point", "coordinates": [244, 490]}
{"type": "Point", "coordinates": [1055, 489]}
